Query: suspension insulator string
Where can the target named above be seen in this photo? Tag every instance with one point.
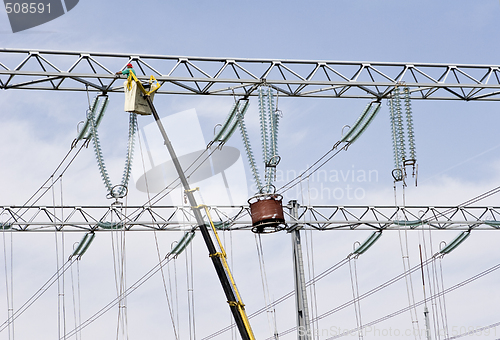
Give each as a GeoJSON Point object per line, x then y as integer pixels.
{"type": "Point", "coordinates": [397, 173]}
{"type": "Point", "coordinates": [263, 124]}
{"type": "Point", "coordinates": [120, 190]}
{"type": "Point", "coordinates": [409, 124]}
{"type": "Point", "coordinates": [273, 158]}
{"type": "Point", "coordinates": [401, 161]}
{"type": "Point", "coordinates": [248, 150]}
{"type": "Point", "coordinates": [269, 121]}
{"type": "Point", "coordinates": [400, 127]}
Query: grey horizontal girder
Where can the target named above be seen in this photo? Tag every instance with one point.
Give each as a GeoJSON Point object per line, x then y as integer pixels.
{"type": "Point", "coordinates": [170, 218]}
{"type": "Point", "coordinates": [79, 71]}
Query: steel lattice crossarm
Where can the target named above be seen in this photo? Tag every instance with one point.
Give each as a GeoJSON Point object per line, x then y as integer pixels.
{"type": "Point", "coordinates": [170, 218]}
{"type": "Point", "coordinates": [79, 71]}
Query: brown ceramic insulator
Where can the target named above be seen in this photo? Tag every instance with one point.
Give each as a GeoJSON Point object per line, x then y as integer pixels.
{"type": "Point", "coordinates": [267, 212]}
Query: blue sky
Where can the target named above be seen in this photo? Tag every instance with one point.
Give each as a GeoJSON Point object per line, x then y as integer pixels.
{"type": "Point", "coordinates": [456, 145]}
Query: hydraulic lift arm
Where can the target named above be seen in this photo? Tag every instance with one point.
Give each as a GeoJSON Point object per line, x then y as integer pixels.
{"type": "Point", "coordinates": [218, 258]}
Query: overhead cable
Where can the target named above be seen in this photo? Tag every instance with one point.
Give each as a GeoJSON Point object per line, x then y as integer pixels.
{"type": "Point", "coordinates": [421, 302]}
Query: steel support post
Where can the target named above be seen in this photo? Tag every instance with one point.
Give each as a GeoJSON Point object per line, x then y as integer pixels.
{"type": "Point", "coordinates": [303, 328]}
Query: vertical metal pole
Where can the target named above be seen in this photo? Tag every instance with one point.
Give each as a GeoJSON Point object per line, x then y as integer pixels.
{"type": "Point", "coordinates": [236, 306]}
{"type": "Point", "coordinates": [303, 328]}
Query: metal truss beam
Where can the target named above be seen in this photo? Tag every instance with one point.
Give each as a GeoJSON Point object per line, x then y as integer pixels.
{"type": "Point", "coordinates": [170, 218]}
{"type": "Point", "coordinates": [79, 71]}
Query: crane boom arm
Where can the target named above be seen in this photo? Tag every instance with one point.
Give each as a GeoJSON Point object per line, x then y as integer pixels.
{"type": "Point", "coordinates": [218, 257]}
